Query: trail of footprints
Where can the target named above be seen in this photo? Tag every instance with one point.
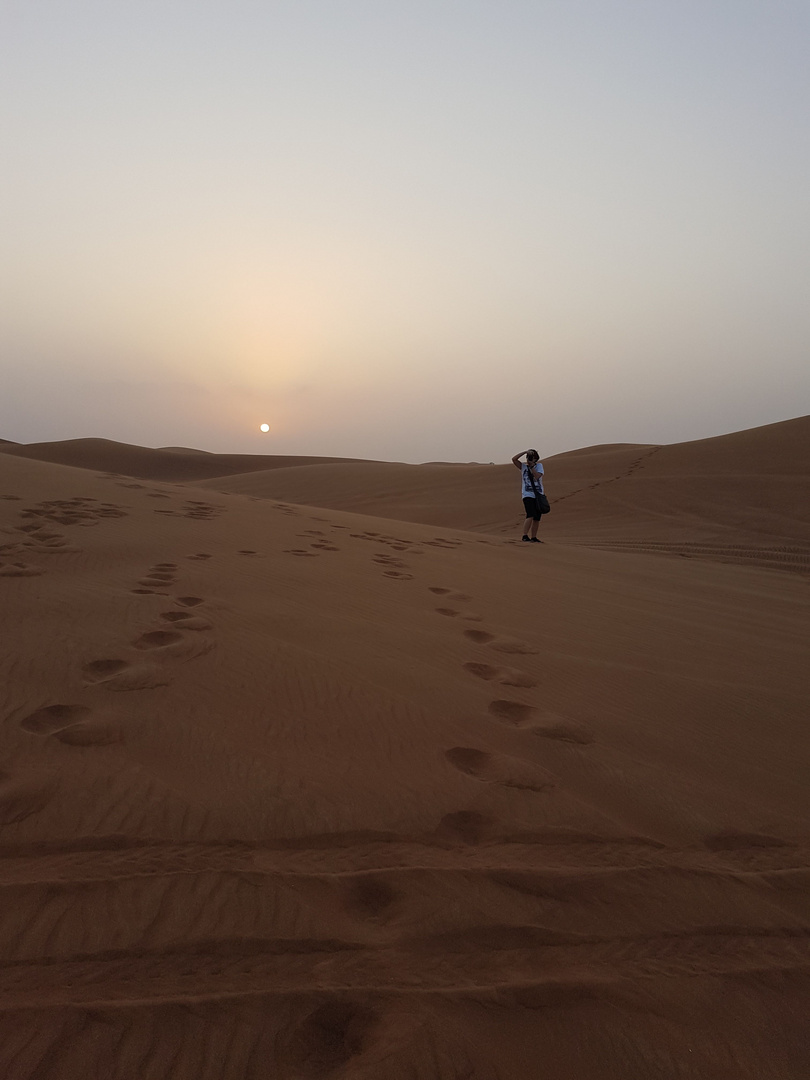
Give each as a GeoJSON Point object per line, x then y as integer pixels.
{"type": "Point", "coordinates": [145, 664]}
{"type": "Point", "coordinates": [36, 536]}
{"type": "Point", "coordinates": [498, 768]}
{"type": "Point", "coordinates": [317, 540]}
{"type": "Point", "coordinates": [392, 566]}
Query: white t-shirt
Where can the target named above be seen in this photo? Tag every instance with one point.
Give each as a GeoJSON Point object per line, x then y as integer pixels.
{"type": "Point", "coordinates": [528, 490]}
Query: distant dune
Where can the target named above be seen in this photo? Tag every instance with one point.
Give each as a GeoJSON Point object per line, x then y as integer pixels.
{"type": "Point", "coordinates": [309, 768]}
{"type": "Point", "coordinates": [168, 464]}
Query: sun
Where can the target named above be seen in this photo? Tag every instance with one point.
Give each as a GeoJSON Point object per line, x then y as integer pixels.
{"type": "Point", "coordinates": [264, 427]}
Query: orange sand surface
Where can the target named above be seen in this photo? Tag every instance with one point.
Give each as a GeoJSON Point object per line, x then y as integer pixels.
{"type": "Point", "coordinates": [311, 770]}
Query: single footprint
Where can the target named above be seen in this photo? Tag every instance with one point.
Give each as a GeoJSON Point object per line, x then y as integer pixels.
{"type": "Point", "coordinates": [482, 671]}
{"type": "Point", "coordinates": [505, 676]}
{"type": "Point", "coordinates": [53, 718]}
{"type": "Point", "coordinates": [132, 677]}
{"type": "Point", "coordinates": [301, 554]}
{"type": "Point", "coordinates": [22, 796]}
{"type": "Point", "coordinates": [186, 621]}
{"type": "Point", "coordinates": [89, 733]}
{"type": "Point", "coordinates": [451, 613]}
{"type": "Point", "coordinates": [481, 637]}
{"type": "Point", "coordinates": [519, 648]}
{"type": "Point", "coordinates": [459, 596]}
{"type": "Point", "coordinates": [514, 712]}
{"type": "Point", "coordinates": [20, 569]}
{"type": "Point", "coordinates": [246, 551]}
{"type": "Point", "coordinates": [189, 601]}
{"type": "Point", "coordinates": [369, 895]}
{"type": "Point", "coordinates": [199, 555]}
{"type": "Point", "coordinates": [157, 639]}
{"type": "Point", "coordinates": [436, 589]}
{"type": "Point", "coordinates": [100, 670]}
{"type": "Point", "coordinates": [499, 769]}
{"type": "Point", "coordinates": [397, 574]}
{"type": "Point", "coordinates": [564, 732]}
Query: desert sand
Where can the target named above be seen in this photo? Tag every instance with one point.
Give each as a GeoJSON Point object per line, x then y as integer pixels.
{"type": "Point", "coordinates": [311, 769]}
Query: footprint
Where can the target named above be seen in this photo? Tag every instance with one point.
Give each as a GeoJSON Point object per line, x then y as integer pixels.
{"type": "Point", "coordinates": [199, 555]}
{"type": "Point", "coordinates": [448, 611]}
{"type": "Point", "coordinates": [53, 718]}
{"type": "Point", "coordinates": [246, 551]}
{"type": "Point", "coordinates": [519, 648]}
{"type": "Point", "coordinates": [100, 670]}
{"type": "Point", "coordinates": [22, 796]}
{"type": "Point", "coordinates": [135, 677]}
{"type": "Point", "coordinates": [389, 560]}
{"type": "Point", "coordinates": [157, 639]}
{"type": "Point", "coordinates": [328, 1038]}
{"type": "Point", "coordinates": [301, 554]}
{"type": "Point", "coordinates": [499, 769]}
{"type": "Point", "coordinates": [481, 637]}
{"type": "Point", "coordinates": [369, 895]}
{"type": "Point", "coordinates": [20, 569]}
{"type": "Point", "coordinates": [189, 601]}
{"type": "Point", "coordinates": [436, 589]}
{"type": "Point", "coordinates": [460, 597]}
{"type": "Point", "coordinates": [514, 712]}
{"type": "Point", "coordinates": [505, 676]}
{"type": "Point", "coordinates": [185, 621]}
{"type": "Point", "coordinates": [564, 732]}
{"type": "Point", "coordinates": [90, 733]}
{"type": "Point", "coordinates": [397, 574]}
{"type": "Point", "coordinates": [482, 671]}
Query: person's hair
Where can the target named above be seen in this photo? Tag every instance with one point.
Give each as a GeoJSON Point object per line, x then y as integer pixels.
{"type": "Point", "coordinates": [532, 455]}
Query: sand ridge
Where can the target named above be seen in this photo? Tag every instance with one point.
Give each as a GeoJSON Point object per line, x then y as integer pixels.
{"type": "Point", "coordinates": [299, 791]}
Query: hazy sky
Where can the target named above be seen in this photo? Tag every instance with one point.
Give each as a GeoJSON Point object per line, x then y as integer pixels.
{"type": "Point", "coordinates": [403, 229]}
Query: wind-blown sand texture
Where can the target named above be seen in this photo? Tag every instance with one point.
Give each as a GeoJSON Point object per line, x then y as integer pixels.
{"type": "Point", "coordinates": [309, 769]}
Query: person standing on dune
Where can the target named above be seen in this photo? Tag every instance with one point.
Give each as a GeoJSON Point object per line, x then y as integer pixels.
{"type": "Point", "coordinates": [534, 499]}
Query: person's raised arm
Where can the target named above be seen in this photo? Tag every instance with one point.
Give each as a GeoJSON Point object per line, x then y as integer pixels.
{"type": "Point", "coordinates": [516, 459]}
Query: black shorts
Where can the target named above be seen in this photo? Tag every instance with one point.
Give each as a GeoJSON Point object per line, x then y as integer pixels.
{"type": "Point", "coordinates": [532, 509]}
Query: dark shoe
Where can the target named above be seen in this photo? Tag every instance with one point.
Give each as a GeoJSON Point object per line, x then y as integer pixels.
{"type": "Point", "coordinates": [525, 539]}
{"type": "Point", "coordinates": [534, 540]}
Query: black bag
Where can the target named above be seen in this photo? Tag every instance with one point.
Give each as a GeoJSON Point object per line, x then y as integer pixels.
{"type": "Point", "coordinates": [542, 501]}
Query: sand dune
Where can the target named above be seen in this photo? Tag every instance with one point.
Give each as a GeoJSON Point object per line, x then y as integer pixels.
{"type": "Point", "coordinates": [170, 464]}
{"type": "Point", "coordinates": [740, 497]}
{"type": "Point", "coordinates": [299, 792]}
